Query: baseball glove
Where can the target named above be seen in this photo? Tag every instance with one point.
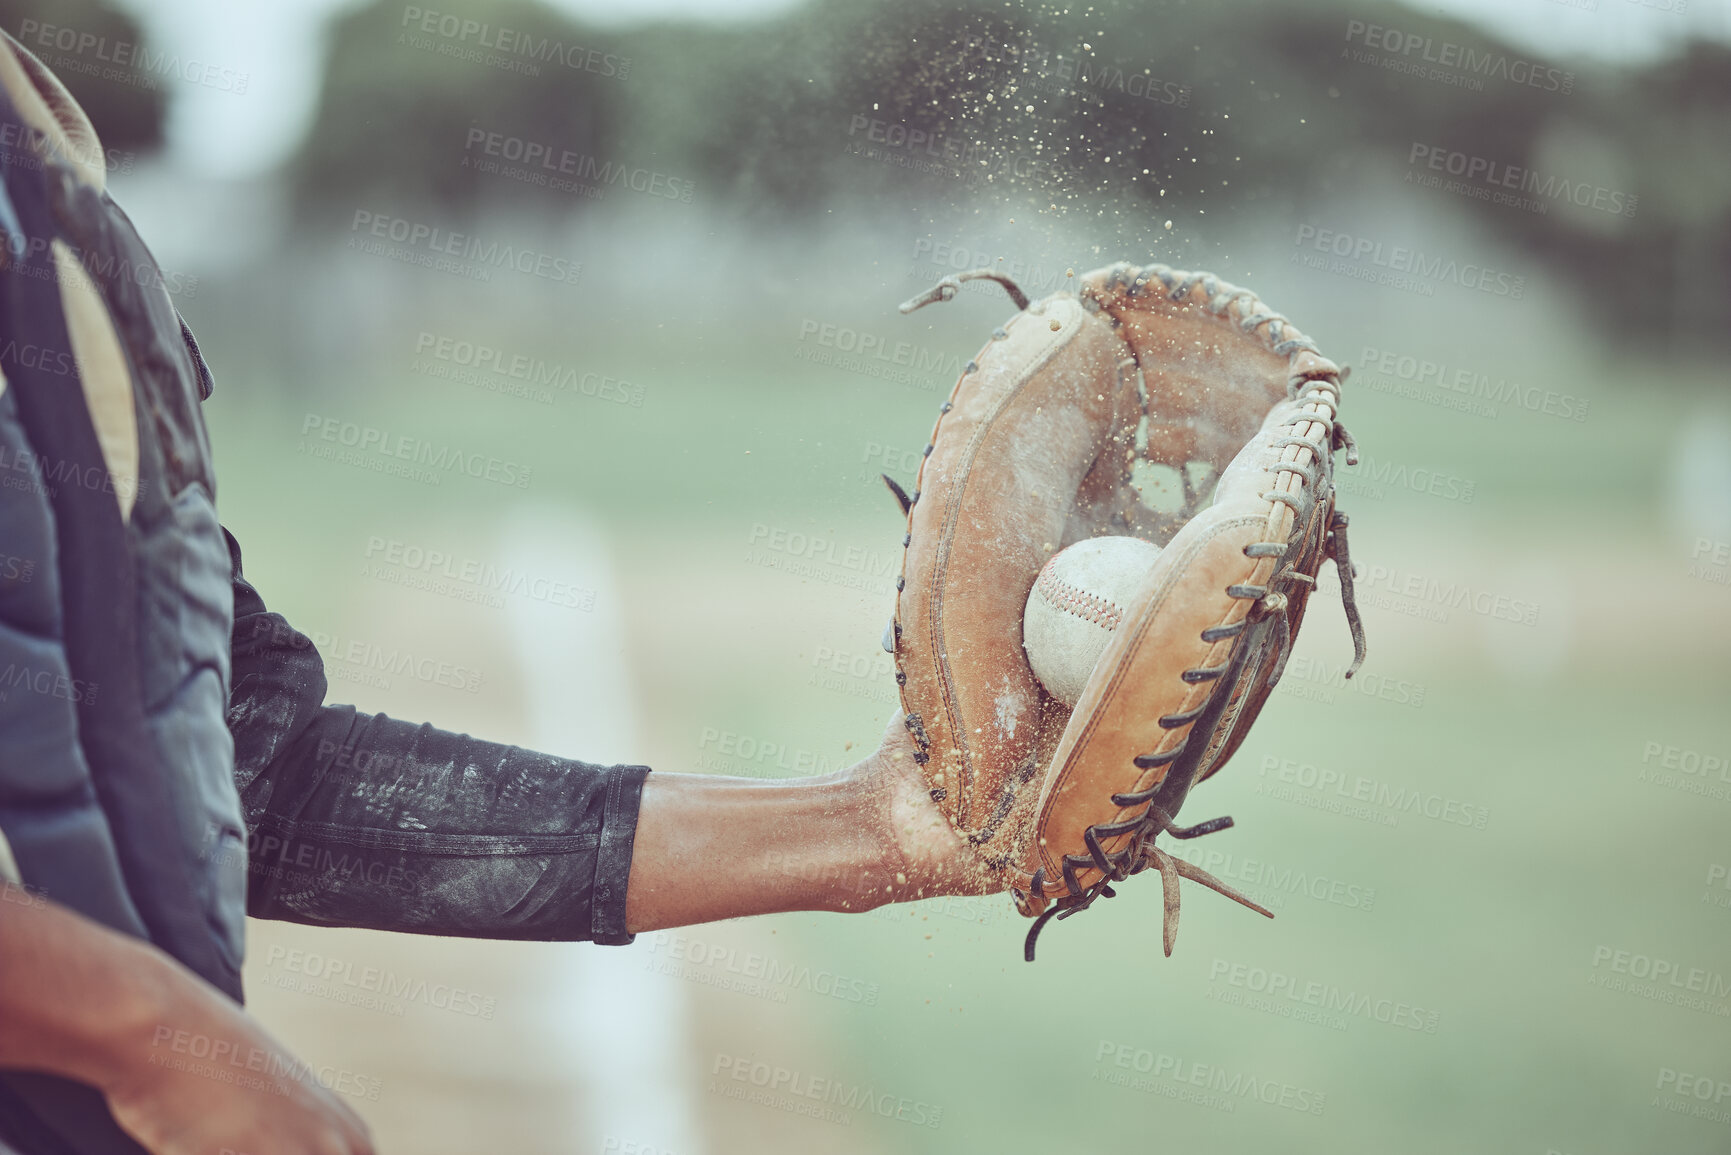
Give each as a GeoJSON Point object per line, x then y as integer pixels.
{"type": "Point", "coordinates": [1037, 448]}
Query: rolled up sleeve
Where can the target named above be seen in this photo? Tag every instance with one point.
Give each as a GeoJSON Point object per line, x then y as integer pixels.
{"type": "Point", "coordinates": [364, 820]}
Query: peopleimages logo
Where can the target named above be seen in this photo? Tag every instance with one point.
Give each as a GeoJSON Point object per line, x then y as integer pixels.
{"type": "Point", "coordinates": [442, 250]}
{"type": "Point", "coordinates": [481, 42]}
{"type": "Point", "coordinates": [1356, 788]}
{"type": "Point", "coordinates": [820, 558]}
{"type": "Point", "coordinates": [30, 145]}
{"type": "Point", "coordinates": [865, 674]}
{"type": "Point", "coordinates": [1270, 883]}
{"type": "Point", "coordinates": [868, 351]}
{"type": "Point", "coordinates": [1398, 266]}
{"type": "Point", "coordinates": [1083, 73]}
{"type": "Point", "coordinates": [16, 569]}
{"type": "Point", "coordinates": [947, 256]}
{"type": "Point", "coordinates": [1702, 1089]}
{"type": "Point", "coordinates": [937, 153]}
{"type": "Point", "coordinates": [761, 753]}
{"type": "Point", "coordinates": [101, 265]}
{"type": "Point", "coordinates": [1491, 180]}
{"type": "Point", "coordinates": [1380, 585]}
{"type": "Point", "coordinates": [751, 972]}
{"type": "Point", "coordinates": [1462, 66]}
{"type": "Point", "coordinates": [328, 971]}
{"type": "Point", "coordinates": [1661, 980]}
{"type": "Point", "coordinates": [916, 141]}
{"type": "Point", "coordinates": [385, 452]}
{"type": "Point", "coordinates": [1710, 561]}
{"type": "Point", "coordinates": [801, 1093]}
{"type": "Point", "coordinates": [562, 170]}
{"type": "Point", "coordinates": [503, 371]}
{"type": "Point", "coordinates": [124, 62]}
{"type": "Point", "coordinates": [1325, 997]}
{"type": "Point", "coordinates": [1374, 478]}
{"type": "Point", "coordinates": [253, 1068]}
{"type": "Point", "coordinates": [306, 864]}
{"type": "Point", "coordinates": [1391, 371]}
{"type": "Point", "coordinates": [1718, 876]}
{"type": "Point", "coordinates": [21, 895]}
{"type": "Point", "coordinates": [1695, 772]}
{"type": "Point", "coordinates": [401, 560]}
{"type": "Point", "coordinates": [34, 473]}
{"type": "Point", "coordinates": [1317, 680]}
{"type": "Point", "coordinates": [48, 683]}
{"type": "Point", "coordinates": [1220, 1087]}
{"type": "Point", "coordinates": [371, 656]}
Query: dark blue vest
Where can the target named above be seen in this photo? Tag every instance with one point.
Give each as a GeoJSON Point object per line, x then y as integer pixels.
{"type": "Point", "coordinates": [116, 766]}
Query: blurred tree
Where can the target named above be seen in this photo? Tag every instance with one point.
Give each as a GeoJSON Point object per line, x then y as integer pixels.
{"type": "Point", "coordinates": [127, 105]}
{"type": "Point", "coordinates": [403, 93]}
{"type": "Point", "coordinates": [1658, 137]}
{"type": "Point", "coordinates": [1667, 270]}
{"type": "Point", "coordinates": [1159, 107]}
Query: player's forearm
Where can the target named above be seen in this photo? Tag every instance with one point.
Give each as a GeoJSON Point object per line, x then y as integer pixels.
{"type": "Point", "coordinates": [77, 999]}
{"type": "Point", "coordinates": [711, 848]}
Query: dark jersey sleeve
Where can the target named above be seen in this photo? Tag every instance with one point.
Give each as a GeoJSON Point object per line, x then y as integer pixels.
{"type": "Point", "coordinates": [364, 820]}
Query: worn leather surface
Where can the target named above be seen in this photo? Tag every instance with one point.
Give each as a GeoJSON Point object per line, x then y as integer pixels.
{"type": "Point", "coordinates": [1209, 384]}
{"type": "Point", "coordinates": [1044, 412]}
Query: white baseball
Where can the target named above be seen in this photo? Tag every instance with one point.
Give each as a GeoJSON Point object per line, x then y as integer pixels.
{"type": "Point", "coordinates": [1077, 601]}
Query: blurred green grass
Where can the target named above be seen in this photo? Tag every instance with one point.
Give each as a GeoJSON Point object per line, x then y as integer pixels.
{"type": "Point", "coordinates": [1495, 930]}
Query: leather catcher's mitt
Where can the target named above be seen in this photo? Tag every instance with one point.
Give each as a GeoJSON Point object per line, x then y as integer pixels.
{"type": "Point", "coordinates": [1034, 451]}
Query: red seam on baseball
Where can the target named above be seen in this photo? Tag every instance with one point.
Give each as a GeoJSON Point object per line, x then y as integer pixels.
{"type": "Point", "coordinates": [1075, 600]}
